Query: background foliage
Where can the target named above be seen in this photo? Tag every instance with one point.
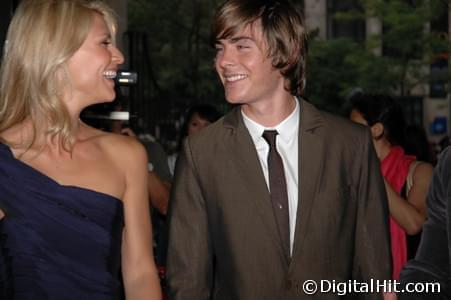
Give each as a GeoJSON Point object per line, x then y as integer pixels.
{"type": "Point", "coordinates": [182, 58]}
{"type": "Point", "coordinates": [180, 51]}
{"type": "Point", "coordinates": [338, 66]}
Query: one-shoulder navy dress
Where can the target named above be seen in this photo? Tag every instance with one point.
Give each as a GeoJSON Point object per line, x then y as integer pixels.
{"type": "Point", "coordinates": [56, 242]}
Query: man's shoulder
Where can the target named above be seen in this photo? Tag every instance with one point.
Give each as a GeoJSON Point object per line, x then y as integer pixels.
{"type": "Point", "coordinates": [339, 123]}
{"type": "Point", "coordinates": [334, 124]}
{"type": "Point", "coordinates": [342, 137]}
{"type": "Point", "coordinates": [213, 132]}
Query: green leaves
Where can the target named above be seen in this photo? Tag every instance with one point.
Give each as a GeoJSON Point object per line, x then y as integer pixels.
{"type": "Point", "coordinates": [182, 59]}
{"type": "Point", "coordinates": [337, 66]}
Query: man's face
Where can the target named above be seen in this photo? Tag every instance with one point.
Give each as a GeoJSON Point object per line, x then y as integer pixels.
{"type": "Point", "coordinates": [246, 70]}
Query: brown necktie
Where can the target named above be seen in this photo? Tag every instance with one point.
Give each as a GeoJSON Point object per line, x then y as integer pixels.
{"type": "Point", "coordinates": [278, 189]}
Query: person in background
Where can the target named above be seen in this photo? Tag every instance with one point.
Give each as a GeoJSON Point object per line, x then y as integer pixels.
{"type": "Point", "coordinates": [197, 118]}
{"type": "Point", "coordinates": [432, 261]}
{"type": "Point", "coordinates": [406, 179]}
{"type": "Point", "coordinates": [73, 206]}
{"type": "Point", "coordinates": [443, 143]}
{"type": "Point", "coordinates": [276, 192]}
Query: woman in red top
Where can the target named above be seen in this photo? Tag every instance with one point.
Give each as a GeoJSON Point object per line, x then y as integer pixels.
{"type": "Point", "coordinates": [406, 180]}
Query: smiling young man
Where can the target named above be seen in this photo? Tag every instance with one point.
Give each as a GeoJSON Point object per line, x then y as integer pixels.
{"type": "Point", "coordinates": [277, 192]}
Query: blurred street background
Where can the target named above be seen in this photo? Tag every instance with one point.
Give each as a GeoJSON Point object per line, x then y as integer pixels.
{"type": "Point", "coordinates": [391, 46]}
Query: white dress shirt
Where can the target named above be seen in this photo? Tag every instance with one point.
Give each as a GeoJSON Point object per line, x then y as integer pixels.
{"type": "Point", "coordinates": [287, 146]}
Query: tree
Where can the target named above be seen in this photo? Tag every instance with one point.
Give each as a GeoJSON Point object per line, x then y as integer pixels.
{"type": "Point", "coordinates": [408, 49]}
{"type": "Point", "coordinates": [180, 51]}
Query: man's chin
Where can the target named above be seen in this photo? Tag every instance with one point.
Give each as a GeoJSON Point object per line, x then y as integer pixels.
{"type": "Point", "coordinates": [234, 100]}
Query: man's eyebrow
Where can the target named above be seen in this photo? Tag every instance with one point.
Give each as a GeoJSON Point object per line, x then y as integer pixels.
{"type": "Point", "coordinates": [240, 38]}
{"type": "Point", "coordinates": [233, 40]}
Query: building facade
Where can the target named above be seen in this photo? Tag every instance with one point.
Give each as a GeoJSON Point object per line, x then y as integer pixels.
{"type": "Point", "coordinates": [427, 103]}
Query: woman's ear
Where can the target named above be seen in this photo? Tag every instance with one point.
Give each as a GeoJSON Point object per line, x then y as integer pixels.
{"type": "Point", "coordinates": [377, 130]}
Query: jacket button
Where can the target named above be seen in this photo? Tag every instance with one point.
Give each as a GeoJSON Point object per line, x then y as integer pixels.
{"type": "Point", "coordinates": [288, 284]}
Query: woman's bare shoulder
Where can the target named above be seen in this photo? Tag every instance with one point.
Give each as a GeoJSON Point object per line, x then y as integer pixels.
{"type": "Point", "coordinates": [423, 170]}
{"type": "Point", "coordinates": [124, 149]}
{"type": "Point", "coordinates": [420, 175]}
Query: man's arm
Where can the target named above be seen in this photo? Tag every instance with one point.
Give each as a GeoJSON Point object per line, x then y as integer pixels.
{"type": "Point", "coordinates": [189, 251]}
{"type": "Point", "coordinates": [372, 244]}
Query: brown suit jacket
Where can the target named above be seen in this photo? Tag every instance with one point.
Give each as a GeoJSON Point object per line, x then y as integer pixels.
{"type": "Point", "coordinates": [223, 238]}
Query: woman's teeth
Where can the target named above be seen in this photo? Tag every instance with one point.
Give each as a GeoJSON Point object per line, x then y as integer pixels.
{"type": "Point", "coordinates": [109, 74]}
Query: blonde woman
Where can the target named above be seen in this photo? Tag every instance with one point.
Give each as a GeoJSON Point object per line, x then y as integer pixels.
{"type": "Point", "coordinates": [73, 199]}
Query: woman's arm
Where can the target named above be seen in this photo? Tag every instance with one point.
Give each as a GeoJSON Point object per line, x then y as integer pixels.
{"type": "Point", "coordinates": [410, 213]}
{"type": "Point", "coordinates": [138, 267]}
{"type": "Point", "coordinates": [158, 188]}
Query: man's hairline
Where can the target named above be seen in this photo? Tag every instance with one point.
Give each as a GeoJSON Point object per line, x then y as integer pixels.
{"type": "Point", "coordinates": [240, 35]}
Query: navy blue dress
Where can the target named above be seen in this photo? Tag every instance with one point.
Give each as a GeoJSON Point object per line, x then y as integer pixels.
{"type": "Point", "coordinates": [56, 242]}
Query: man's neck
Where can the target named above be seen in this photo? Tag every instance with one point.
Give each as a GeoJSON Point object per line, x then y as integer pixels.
{"type": "Point", "coordinates": [270, 114]}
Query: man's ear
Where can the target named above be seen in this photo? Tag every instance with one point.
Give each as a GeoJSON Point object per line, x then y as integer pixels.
{"type": "Point", "coordinates": [377, 130]}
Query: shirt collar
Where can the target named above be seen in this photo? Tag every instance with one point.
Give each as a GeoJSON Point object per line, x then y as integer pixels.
{"type": "Point", "coordinates": [287, 129]}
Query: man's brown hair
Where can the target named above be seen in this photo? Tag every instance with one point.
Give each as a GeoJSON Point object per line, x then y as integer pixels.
{"type": "Point", "coordinates": [282, 27]}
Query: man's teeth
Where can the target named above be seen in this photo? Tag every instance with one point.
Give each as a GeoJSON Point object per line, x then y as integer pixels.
{"type": "Point", "coordinates": [233, 78]}
{"type": "Point", "coordinates": [109, 74]}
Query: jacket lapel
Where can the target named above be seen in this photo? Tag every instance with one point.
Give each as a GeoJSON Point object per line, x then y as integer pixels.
{"type": "Point", "coordinates": [244, 155]}
{"type": "Point", "coordinates": [310, 153]}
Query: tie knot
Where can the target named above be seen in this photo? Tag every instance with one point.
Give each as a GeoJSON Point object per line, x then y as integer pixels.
{"type": "Point", "coordinates": [270, 137]}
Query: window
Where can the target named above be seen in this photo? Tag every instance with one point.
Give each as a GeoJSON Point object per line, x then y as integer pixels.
{"type": "Point", "coordinates": [336, 28]}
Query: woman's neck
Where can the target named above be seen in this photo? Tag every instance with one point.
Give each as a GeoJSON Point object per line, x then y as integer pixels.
{"type": "Point", "coordinates": [382, 147]}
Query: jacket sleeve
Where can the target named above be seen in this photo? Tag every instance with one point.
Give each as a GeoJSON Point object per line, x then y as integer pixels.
{"type": "Point", "coordinates": [372, 260]}
{"type": "Point", "coordinates": [432, 263]}
{"type": "Point", "coordinates": [189, 265]}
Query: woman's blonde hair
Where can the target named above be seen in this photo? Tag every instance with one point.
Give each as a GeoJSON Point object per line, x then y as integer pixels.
{"type": "Point", "coordinates": [42, 36]}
